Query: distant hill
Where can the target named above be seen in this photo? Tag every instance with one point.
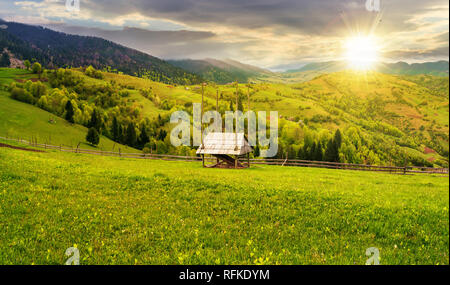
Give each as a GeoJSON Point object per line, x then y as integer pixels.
{"type": "Point", "coordinates": [221, 71]}
{"type": "Point", "coordinates": [439, 68]}
{"type": "Point", "coordinates": [329, 66]}
{"type": "Point", "coordinates": [56, 49]}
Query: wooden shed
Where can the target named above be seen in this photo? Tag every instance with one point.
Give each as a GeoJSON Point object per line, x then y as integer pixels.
{"type": "Point", "coordinates": [227, 148]}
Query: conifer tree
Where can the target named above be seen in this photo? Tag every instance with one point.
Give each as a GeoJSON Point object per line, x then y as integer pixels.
{"type": "Point", "coordinates": [69, 112]}
{"type": "Point", "coordinates": [130, 137]}
{"type": "Point", "coordinates": [95, 121]}
{"type": "Point", "coordinates": [318, 155]}
{"type": "Point", "coordinates": [93, 137]}
{"type": "Point", "coordinates": [115, 130]}
{"type": "Point", "coordinates": [330, 152]}
{"type": "Point", "coordinates": [143, 137]}
{"type": "Point", "coordinates": [312, 152]}
{"type": "Point", "coordinates": [337, 140]}
{"type": "Point", "coordinates": [256, 152]}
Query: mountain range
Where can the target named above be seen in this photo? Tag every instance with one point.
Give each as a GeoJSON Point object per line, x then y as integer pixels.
{"type": "Point", "coordinates": [438, 68]}
{"type": "Point", "coordinates": [221, 71]}
{"type": "Point", "coordinates": [57, 49]}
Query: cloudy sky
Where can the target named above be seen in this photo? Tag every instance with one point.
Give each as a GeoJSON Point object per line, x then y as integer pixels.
{"type": "Point", "coordinates": [272, 34]}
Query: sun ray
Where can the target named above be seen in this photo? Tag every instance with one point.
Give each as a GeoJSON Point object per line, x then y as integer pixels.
{"type": "Point", "coordinates": [361, 52]}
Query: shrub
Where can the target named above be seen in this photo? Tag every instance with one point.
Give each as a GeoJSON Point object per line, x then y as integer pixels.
{"type": "Point", "coordinates": [37, 68]}
{"type": "Point", "coordinates": [38, 89]}
{"type": "Point", "coordinates": [22, 95]}
{"type": "Point", "coordinates": [93, 137]}
{"type": "Point", "coordinates": [92, 72]}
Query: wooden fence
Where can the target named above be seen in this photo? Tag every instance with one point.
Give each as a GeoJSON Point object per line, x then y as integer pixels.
{"type": "Point", "coordinates": [271, 161]}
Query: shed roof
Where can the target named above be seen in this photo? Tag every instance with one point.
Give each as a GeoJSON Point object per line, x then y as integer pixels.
{"type": "Point", "coordinates": [225, 143]}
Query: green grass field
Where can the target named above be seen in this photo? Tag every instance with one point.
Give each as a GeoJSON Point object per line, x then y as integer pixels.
{"type": "Point", "coordinates": [125, 211]}
{"type": "Point", "coordinates": [25, 121]}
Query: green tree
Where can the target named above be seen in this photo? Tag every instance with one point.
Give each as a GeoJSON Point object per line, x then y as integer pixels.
{"type": "Point", "coordinates": [312, 151]}
{"type": "Point", "coordinates": [162, 134]}
{"type": "Point", "coordinates": [256, 152]}
{"type": "Point", "coordinates": [93, 137]}
{"type": "Point", "coordinates": [4, 60]}
{"type": "Point", "coordinates": [318, 154]}
{"type": "Point", "coordinates": [305, 152]}
{"type": "Point", "coordinates": [121, 135]}
{"type": "Point", "coordinates": [23, 95]}
{"type": "Point", "coordinates": [37, 89]}
{"type": "Point", "coordinates": [300, 153]}
{"type": "Point", "coordinates": [69, 112]}
{"type": "Point", "coordinates": [27, 64]}
{"type": "Point", "coordinates": [161, 147]}
{"type": "Point", "coordinates": [37, 68]}
{"type": "Point", "coordinates": [92, 72]}
{"type": "Point", "coordinates": [115, 130]}
{"type": "Point", "coordinates": [95, 121]}
{"type": "Point", "coordinates": [130, 138]}
{"type": "Point", "coordinates": [337, 140]}
{"type": "Point", "coordinates": [143, 137]}
{"type": "Point", "coordinates": [330, 152]}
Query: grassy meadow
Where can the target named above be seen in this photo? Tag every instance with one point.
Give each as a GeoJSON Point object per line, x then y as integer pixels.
{"type": "Point", "coordinates": [125, 211]}
{"type": "Point", "coordinates": [25, 121]}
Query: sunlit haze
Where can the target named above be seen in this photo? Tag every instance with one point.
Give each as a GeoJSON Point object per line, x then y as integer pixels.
{"type": "Point", "coordinates": [361, 52]}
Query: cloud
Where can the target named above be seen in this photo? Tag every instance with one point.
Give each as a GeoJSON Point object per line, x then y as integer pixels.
{"type": "Point", "coordinates": [438, 53]}
{"type": "Point", "coordinates": [442, 38]}
{"type": "Point", "coordinates": [261, 32]}
{"type": "Point", "coordinates": [164, 44]}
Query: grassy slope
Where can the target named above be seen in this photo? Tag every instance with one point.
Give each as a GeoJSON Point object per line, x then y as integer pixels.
{"type": "Point", "coordinates": [318, 94]}
{"type": "Point", "coordinates": [405, 102]}
{"type": "Point", "coordinates": [289, 78]}
{"type": "Point", "coordinates": [123, 211]}
{"type": "Point", "coordinates": [400, 100]}
{"type": "Point", "coordinates": [23, 120]}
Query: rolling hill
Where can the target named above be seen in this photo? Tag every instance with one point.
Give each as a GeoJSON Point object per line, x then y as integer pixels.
{"type": "Point", "coordinates": [56, 49]}
{"type": "Point", "coordinates": [222, 71]}
{"type": "Point", "coordinates": [384, 119]}
{"type": "Point", "coordinates": [21, 120]}
{"type": "Point", "coordinates": [439, 68]}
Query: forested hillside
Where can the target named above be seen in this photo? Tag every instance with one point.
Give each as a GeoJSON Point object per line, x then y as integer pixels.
{"type": "Point", "coordinates": [54, 49]}
{"type": "Point", "coordinates": [347, 116]}
{"type": "Point", "coordinates": [222, 71]}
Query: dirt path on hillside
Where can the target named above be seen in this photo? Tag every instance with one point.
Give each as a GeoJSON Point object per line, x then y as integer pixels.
{"type": "Point", "coordinates": [20, 148]}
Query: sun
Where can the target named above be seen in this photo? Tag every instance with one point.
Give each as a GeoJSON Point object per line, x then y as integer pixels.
{"type": "Point", "coordinates": [361, 52]}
